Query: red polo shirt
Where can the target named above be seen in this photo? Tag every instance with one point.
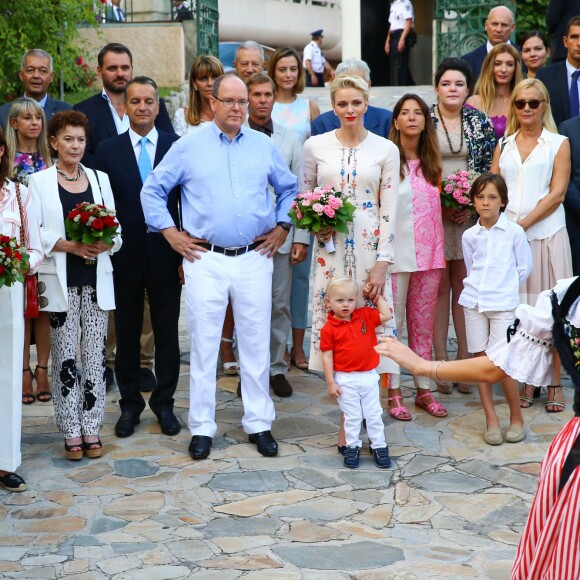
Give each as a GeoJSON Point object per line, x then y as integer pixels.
{"type": "Point", "coordinates": [352, 341]}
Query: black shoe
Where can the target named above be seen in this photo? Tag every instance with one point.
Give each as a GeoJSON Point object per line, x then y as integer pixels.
{"type": "Point", "coordinates": [109, 377]}
{"type": "Point", "coordinates": [341, 449]}
{"type": "Point", "coordinates": [352, 457]}
{"type": "Point", "coordinates": [12, 482]}
{"type": "Point", "coordinates": [199, 446]}
{"type": "Point", "coordinates": [280, 385]}
{"type": "Point", "coordinates": [265, 443]}
{"type": "Point", "coordinates": [147, 380]}
{"type": "Point", "coordinates": [239, 389]}
{"type": "Point", "coordinates": [169, 422]}
{"type": "Point", "coordinates": [125, 426]}
{"type": "Point", "coordinates": [382, 458]}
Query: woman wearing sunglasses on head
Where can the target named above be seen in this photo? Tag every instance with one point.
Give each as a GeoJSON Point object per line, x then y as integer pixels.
{"type": "Point", "coordinates": [535, 162]}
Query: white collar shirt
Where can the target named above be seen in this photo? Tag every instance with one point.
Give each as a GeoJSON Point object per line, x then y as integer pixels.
{"type": "Point", "coordinates": [152, 137]}
{"type": "Point", "coordinates": [498, 260]}
{"type": "Point", "coordinates": [121, 124]}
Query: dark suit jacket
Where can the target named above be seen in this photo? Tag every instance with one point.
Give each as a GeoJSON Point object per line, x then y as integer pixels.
{"type": "Point", "coordinates": [571, 129]}
{"type": "Point", "coordinates": [376, 120]}
{"type": "Point", "coordinates": [476, 57]}
{"type": "Point", "coordinates": [51, 107]}
{"type": "Point", "coordinates": [559, 13]}
{"type": "Point", "coordinates": [555, 78]}
{"type": "Point", "coordinates": [111, 15]}
{"type": "Point", "coordinates": [96, 108]}
{"type": "Point", "coordinates": [143, 252]}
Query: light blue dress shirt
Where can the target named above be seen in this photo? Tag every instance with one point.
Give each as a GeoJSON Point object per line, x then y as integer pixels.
{"type": "Point", "coordinates": [225, 197]}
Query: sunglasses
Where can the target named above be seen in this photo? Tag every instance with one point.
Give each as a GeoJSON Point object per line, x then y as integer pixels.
{"type": "Point", "coordinates": [534, 104]}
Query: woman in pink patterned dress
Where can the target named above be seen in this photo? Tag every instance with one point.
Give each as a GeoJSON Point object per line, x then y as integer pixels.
{"type": "Point", "coordinates": [419, 243]}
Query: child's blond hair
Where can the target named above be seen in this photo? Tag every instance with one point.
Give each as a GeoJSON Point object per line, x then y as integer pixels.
{"type": "Point", "coordinates": [339, 281]}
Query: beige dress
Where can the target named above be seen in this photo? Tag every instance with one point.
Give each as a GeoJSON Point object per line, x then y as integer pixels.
{"type": "Point", "coordinates": [369, 175]}
{"type": "Point", "coordinates": [452, 163]}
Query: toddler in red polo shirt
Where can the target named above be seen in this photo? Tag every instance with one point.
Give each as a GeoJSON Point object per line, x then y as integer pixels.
{"type": "Point", "coordinates": [349, 360]}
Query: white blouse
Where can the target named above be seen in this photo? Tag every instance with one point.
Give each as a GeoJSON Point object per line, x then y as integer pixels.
{"type": "Point", "coordinates": [529, 182]}
{"type": "Point", "coordinates": [10, 222]}
{"type": "Point", "coordinates": [181, 126]}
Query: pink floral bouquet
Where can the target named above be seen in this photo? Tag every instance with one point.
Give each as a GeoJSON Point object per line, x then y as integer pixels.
{"type": "Point", "coordinates": [455, 190]}
{"type": "Point", "coordinates": [322, 207]}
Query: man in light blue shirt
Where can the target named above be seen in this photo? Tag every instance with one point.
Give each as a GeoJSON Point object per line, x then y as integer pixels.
{"type": "Point", "coordinates": [231, 231]}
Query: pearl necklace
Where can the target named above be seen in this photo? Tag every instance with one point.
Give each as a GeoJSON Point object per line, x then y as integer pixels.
{"type": "Point", "coordinates": [66, 177]}
{"type": "Point", "coordinates": [447, 132]}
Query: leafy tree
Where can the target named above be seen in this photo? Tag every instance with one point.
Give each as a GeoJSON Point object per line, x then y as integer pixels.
{"type": "Point", "coordinates": [530, 15]}
{"type": "Point", "coordinates": [48, 24]}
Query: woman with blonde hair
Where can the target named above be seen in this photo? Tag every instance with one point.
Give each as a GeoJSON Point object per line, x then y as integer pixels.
{"type": "Point", "coordinates": [535, 162]}
{"type": "Point", "coordinates": [29, 153]}
{"type": "Point", "coordinates": [204, 70]}
{"type": "Point", "coordinates": [365, 167]}
{"type": "Point", "coordinates": [295, 113]}
{"type": "Point", "coordinates": [500, 73]}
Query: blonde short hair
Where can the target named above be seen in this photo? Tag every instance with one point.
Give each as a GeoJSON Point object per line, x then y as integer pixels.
{"type": "Point", "coordinates": [339, 281]}
{"type": "Point", "coordinates": [349, 82]}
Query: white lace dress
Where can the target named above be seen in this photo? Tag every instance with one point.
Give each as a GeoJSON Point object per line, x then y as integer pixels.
{"type": "Point", "coordinates": [181, 126]}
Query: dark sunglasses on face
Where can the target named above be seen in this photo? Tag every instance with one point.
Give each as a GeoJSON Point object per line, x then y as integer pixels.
{"type": "Point", "coordinates": [521, 104]}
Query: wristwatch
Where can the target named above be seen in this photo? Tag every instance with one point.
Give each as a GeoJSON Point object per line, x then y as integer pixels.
{"type": "Point", "coordinates": [284, 225]}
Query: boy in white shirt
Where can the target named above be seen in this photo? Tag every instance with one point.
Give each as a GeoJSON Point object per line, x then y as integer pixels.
{"type": "Point", "coordinates": [498, 259]}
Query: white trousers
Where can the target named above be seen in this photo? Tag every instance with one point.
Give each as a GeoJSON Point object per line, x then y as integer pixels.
{"type": "Point", "coordinates": [11, 347]}
{"type": "Point", "coordinates": [247, 281]}
{"type": "Point", "coordinates": [360, 399]}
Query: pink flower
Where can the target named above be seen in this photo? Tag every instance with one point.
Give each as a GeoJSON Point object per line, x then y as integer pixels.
{"type": "Point", "coordinates": [457, 195]}
{"type": "Point", "coordinates": [318, 208]}
{"type": "Point", "coordinates": [328, 211]}
{"type": "Point", "coordinates": [294, 204]}
{"type": "Point", "coordinates": [463, 200]}
{"type": "Point", "coordinates": [453, 177]}
{"type": "Point", "coordinates": [448, 188]}
{"type": "Point", "coordinates": [305, 202]}
{"type": "Point", "coordinates": [298, 214]}
{"type": "Point", "coordinates": [465, 185]}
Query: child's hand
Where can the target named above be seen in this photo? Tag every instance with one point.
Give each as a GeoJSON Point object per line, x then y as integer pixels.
{"type": "Point", "coordinates": [333, 390]}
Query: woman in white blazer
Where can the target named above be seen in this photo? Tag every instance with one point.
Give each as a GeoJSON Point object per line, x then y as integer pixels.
{"type": "Point", "coordinates": [79, 285]}
{"type": "Point", "coordinates": [17, 220]}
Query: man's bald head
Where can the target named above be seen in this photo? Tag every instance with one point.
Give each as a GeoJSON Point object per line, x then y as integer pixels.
{"type": "Point", "coordinates": [499, 24]}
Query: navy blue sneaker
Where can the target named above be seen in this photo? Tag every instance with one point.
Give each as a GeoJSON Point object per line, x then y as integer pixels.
{"type": "Point", "coordinates": [341, 449]}
{"type": "Point", "coordinates": [382, 458]}
{"type": "Point", "coordinates": [351, 457]}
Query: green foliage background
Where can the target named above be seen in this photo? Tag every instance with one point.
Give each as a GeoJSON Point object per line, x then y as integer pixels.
{"type": "Point", "coordinates": [530, 15]}
{"type": "Point", "coordinates": [50, 25]}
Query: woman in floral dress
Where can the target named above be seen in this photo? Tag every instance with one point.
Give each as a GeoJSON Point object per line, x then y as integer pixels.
{"type": "Point", "coordinates": [365, 167]}
{"type": "Point", "coordinates": [28, 149]}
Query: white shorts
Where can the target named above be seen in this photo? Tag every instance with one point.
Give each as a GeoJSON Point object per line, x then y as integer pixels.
{"type": "Point", "coordinates": [484, 329]}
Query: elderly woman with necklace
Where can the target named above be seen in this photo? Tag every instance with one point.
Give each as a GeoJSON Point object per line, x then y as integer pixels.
{"type": "Point", "coordinates": [467, 140]}
{"type": "Point", "coordinates": [79, 285]}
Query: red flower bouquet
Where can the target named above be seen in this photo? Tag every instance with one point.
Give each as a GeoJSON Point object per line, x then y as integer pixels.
{"type": "Point", "coordinates": [322, 207]}
{"type": "Point", "coordinates": [13, 259]}
{"type": "Point", "coordinates": [89, 223]}
{"type": "Point", "coordinates": [455, 190]}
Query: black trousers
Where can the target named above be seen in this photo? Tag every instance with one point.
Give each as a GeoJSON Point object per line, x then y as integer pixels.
{"type": "Point", "coordinates": [401, 59]}
{"type": "Point", "coordinates": [164, 302]}
{"type": "Point", "coordinates": [319, 78]}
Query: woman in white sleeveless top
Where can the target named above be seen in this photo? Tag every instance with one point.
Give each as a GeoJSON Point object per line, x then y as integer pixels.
{"type": "Point", "coordinates": [535, 162]}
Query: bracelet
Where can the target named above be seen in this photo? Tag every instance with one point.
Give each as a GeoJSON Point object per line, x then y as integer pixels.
{"type": "Point", "coordinates": [437, 370]}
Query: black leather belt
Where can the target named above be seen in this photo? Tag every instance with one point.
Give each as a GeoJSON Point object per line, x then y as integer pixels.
{"type": "Point", "coordinates": [231, 252]}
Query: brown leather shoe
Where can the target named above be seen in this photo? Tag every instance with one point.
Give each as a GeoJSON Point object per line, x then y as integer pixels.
{"type": "Point", "coordinates": [280, 385]}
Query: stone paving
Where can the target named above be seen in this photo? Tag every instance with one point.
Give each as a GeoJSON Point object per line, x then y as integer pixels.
{"type": "Point", "coordinates": [450, 507]}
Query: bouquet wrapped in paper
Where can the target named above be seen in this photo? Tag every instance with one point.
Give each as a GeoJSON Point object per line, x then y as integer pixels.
{"type": "Point", "coordinates": [455, 190]}
{"type": "Point", "coordinates": [89, 223]}
{"type": "Point", "coordinates": [322, 207]}
{"type": "Point", "coordinates": [13, 260]}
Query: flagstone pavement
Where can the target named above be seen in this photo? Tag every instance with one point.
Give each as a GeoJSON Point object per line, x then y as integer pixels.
{"type": "Point", "coordinates": [450, 506]}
